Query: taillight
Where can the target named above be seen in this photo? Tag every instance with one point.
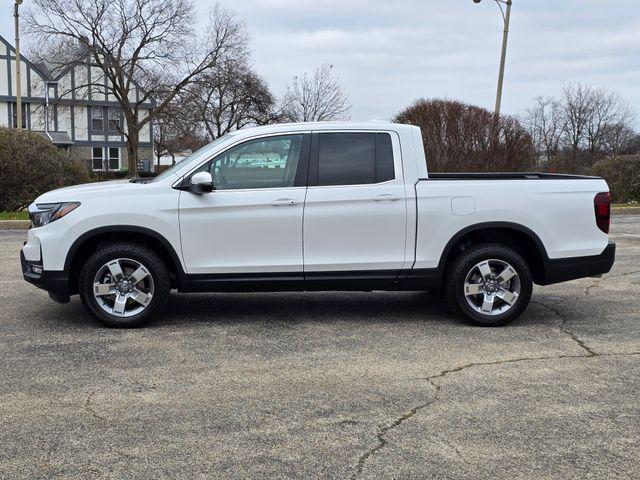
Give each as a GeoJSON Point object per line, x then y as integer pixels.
{"type": "Point", "coordinates": [602, 205]}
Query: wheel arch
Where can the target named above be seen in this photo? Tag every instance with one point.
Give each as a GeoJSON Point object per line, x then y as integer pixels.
{"type": "Point", "coordinates": [86, 244]}
{"type": "Point", "coordinates": [520, 238]}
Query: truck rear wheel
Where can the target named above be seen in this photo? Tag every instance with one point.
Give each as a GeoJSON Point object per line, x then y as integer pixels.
{"type": "Point", "coordinates": [124, 285]}
{"type": "Point", "coordinates": [490, 285]}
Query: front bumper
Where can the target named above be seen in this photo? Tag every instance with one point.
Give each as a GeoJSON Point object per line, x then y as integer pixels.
{"type": "Point", "coordinates": [565, 269]}
{"type": "Point", "coordinates": [54, 282]}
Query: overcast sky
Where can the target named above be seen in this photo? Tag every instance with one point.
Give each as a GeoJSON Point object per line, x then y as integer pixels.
{"type": "Point", "coordinates": [389, 52]}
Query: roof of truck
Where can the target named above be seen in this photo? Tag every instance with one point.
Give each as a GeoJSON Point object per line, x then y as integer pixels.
{"type": "Point", "coordinates": [316, 126]}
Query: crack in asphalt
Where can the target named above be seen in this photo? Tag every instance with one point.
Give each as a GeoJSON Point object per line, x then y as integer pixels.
{"type": "Point", "coordinates": [383, 430]}
{"type": "Point", "coordinates": [89, 408]}
{"type": "Point", "coordinates": [382, 442]}
{"type": "Point", "coordinates": [608, 277]}
{"type": "Point", "coordinates": [136, 386]}
{"type": "Point", "coordinates": [563, 326]}
{"type": "Point", "coordinates": [380, 435]}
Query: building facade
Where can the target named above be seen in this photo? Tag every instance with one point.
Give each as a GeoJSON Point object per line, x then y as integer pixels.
{"type": "Point", "coordinates": [73, 108]}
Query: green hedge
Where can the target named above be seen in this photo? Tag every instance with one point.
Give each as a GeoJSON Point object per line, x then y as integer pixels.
{"type": "Point", "coordinates": [30, 165]}
{"type": "Point", "coordinates": [622, 173]}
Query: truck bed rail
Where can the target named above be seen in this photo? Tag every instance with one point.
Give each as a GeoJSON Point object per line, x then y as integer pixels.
{"type": "Point", "coordinates": [507, 176]}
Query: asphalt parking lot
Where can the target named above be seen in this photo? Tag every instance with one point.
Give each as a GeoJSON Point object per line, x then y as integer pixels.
{"type": "Point", "coordinates": [331, 385]}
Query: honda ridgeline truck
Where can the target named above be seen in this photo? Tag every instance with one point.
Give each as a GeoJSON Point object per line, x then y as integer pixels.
{"type": "Point", "coordinates": [317, 206]}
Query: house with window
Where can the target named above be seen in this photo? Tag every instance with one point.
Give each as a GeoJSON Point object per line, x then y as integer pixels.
{"type": "Point", "coordinates": [69, 104]}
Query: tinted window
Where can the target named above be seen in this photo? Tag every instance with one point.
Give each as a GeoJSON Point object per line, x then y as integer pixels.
{"type": "Point", "coordinates": [384, 158]}
{"type": "Point", "coordinates": [269, 162]}
{"type": "Point", "coordinates": [354, 158]}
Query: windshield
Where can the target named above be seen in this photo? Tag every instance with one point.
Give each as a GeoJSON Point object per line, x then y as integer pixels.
{"type": "Point", "coordinates": [195, 156]}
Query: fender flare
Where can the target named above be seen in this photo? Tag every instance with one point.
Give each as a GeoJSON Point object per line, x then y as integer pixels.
{"type": "Point", "coordinates": [88, 235]}
{"type": "Point", "coordinates": [492, 226]}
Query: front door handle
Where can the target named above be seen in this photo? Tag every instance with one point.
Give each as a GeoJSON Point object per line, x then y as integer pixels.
{"type": "Point", "coordinates": [284, 202]}
{"type": "Point", "coordinates": [386, 197]}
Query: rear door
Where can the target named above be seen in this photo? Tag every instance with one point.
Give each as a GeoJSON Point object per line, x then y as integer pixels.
{"type": "Point", "coordinates": [355, 215]}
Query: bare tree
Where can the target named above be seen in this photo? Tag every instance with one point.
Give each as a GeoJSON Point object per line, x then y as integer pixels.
{"type": "Point", "coordinates": [618, 138]}
{"type": "Point", "coordinates": [546, 123]}
{"type": "Point", "coordinates": [231, 97]}
{"type": "Point", "coordinates": [577, 103]}
{"type": "Point", "coordinates": [175, 129]}
{"type": "Point", "coordinates": [148, 45]}
{"type": "Point", "coordinates": [608, 110]}
{"type": "Point", "coordinates": [588, 111]}
{"type": "Point", "coordinates": [578, 129]}
{"type": "Point", "coordinates": [316, 97]}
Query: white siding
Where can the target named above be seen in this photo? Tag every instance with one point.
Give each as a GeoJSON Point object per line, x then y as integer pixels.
{"type": "Point", "coordinates": [145, 131]}
{"type": "Point", "coordinates": [37, 117]}
{"type": "Point", "coordinates": [4, 113]}
{"type": "Point", "coordinates": [64, 119]}
{"type": "Point", "coordinates": [37, 85]}
{"type": "Point", "coordinates": [4, 80]}
{"type": "Point", "coordinates": [81, 123]}
{"type": "Point", "coordinates": [81, 81]}
{"type": "Point", "coordinates": [97, 84]}
{"type": "Point", "coordinates": [3, 49]}
{"type": "Point", "coordinates": [64, 86]}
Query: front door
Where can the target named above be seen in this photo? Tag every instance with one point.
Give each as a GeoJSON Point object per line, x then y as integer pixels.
{"type": "Point", "coordinates": [355, 223]}
{"type": "Point", "coordinates": [251, 224]}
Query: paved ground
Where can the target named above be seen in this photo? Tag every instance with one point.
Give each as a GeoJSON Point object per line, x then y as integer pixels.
{"type": "Point", "coordinates": [325, 385]}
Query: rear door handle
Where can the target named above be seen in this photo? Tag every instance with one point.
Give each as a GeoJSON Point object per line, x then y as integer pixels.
{"type": "Point", "coordinates": [284, 202]}
{"type": "Point", "coordinates": [386, 197]}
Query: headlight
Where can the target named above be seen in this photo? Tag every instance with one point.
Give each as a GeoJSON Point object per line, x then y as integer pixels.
{"type": "Point", "coordinates": [44, 213]}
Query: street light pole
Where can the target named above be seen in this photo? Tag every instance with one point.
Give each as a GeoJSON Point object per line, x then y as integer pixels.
{"type": "Point", "coordinates": [506, 16]}
{"type": "Point", "coordinates": [16, 15]}
{"type": "Point", "coordinates": [503, 58]}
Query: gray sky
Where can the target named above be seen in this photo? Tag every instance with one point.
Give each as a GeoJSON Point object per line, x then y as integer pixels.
{"type": "Point", "coordinates": [388, 53]}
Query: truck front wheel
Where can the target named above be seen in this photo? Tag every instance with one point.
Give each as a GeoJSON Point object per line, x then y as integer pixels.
{"type": "Point", "coordinates": [124, 285]}
{"type": "Point", "coordinates": [490, 285]}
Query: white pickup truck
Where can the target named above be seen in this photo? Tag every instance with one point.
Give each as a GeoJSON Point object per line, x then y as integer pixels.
{"type": "Point", "coordinates": [326, 206]}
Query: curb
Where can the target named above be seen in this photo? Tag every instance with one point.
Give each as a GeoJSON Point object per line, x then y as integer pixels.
{"type": "Point", "coordinates": [625, 210]}
{"type": "Point", "coordinates": [14, 224]}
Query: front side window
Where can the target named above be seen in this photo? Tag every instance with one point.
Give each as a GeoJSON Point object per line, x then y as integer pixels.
{"type": "Point", "coordinates": [270, 162]}
{"type": "Point", "coordinates": [354, 158]}
{"type": "Point", "coordinates": [97, 119]}
{"type": "Point", "coordinates": [96, 158]}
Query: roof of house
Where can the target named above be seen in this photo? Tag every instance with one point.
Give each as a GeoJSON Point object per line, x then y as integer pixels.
{"type": "Point", "coordinates": [55, 67]}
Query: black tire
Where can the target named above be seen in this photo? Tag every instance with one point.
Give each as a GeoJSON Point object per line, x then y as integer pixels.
{"type": "Point", "coordinates": [464, 263]}
{"type": "Point", "coordinates": [149, 259]}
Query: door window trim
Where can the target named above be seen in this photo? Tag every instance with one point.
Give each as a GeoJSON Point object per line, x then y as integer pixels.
{"type": "Point", "coordinates": [398, 169]}
{"type": "Point", "coordinates": [301, 171]}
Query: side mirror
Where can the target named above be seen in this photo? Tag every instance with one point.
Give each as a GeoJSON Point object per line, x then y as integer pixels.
{"type": "Point", "coordinates": [201, 182]}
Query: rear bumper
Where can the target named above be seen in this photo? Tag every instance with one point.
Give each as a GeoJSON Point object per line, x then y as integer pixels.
{"type": "Point", "coordinates": [565, 269]}
{"type": "Point", "coordinates": [54, 282]}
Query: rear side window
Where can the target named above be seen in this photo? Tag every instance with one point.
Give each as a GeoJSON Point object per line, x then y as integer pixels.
{"type": "Point", "coordinates": [354, 158]}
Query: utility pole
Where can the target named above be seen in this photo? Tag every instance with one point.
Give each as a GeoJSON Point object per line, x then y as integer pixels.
{"type": "Point", "coordinates": [16, 15]}
{"type": "Point", "coordinates": [506, 16]}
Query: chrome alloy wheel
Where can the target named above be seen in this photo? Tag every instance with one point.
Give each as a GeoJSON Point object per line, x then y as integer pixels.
{"type": "Point", "coordinates": [123, 287]}
{"type": "Point", "coordinates": [492, 287]}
